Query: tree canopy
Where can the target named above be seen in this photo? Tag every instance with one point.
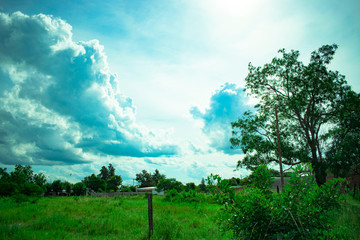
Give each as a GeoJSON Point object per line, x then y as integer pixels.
{"type": "Point", "coordinates": [147, 179]}
{"type": "Point", "coordinates": [310, 99]}
{"type": "Point", "coordinates": [106, 180]}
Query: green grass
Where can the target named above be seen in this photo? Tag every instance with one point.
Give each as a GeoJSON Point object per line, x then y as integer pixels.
{"type": "Point", "coordinates": [347, 220]}
{"type": "Point", "coordinates": [107, 218]}
{"type": "Point", "coordinates": [126, 218]}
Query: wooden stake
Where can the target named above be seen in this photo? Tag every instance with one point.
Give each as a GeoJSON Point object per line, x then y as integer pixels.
{"type": "Point", "coordinates": [150, 215]}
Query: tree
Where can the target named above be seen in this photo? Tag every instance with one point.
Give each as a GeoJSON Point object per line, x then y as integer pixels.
{"type": "Point", "coordinates": [145, 179]}
{"type": "Point", "coordinates": [343, 156]}
{"type": "Point", "coordinates": [190, 186]}
{"type": "Point", "coordinates": [79, 189]}
{"type": "Point", "coordinates": [95, 183]}
{"type": "Point", "coordinates": [202, 185]}
{"type": "Point", "coordinates": [149, 180]}
{"type": "Point", "coordinates": [308, 99]}
{"type": "Point", "coordinates": [168, 184]}
{"type": "Point", "coordinates": [40, 180]}
{"type": "Point", "coordinates": [22, 174]}
{"type": "Point", "coordinates": [104, 173]}
{"type": "Point", "coordinates": [21, 181]}
{"type": "Point", "coordinates": [157, 177]}
{"type": "Point", "coordinates": [111, 170]}
{"type": "Point", "coordinates": [57, 186]}
{"type": "Point", "coordinates": [106, 180]}
{"type": "Point", "coordinates": [67, 186]}
{"type": "Point", "coordinates": [113, 183]}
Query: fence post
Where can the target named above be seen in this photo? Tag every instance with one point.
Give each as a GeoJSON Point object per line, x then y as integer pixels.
{"type": "Point", "coordinates": [150, 215]}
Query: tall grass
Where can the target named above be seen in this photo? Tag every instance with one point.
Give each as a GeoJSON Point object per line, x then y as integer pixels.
{"type": "Point", "coordinates": [347, 220]}
{"type": "Point", "coordinates": [106, 218]}
{"type": "Point", "coordinates": [126, 218]}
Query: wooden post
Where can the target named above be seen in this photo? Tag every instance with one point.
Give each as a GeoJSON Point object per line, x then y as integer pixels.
{"type": "Point", "coordinates": [150, 215]}
{"type": "Point", "coordinates": [277, 189]}
{"type": "Point", "coordinates": [279, 148]}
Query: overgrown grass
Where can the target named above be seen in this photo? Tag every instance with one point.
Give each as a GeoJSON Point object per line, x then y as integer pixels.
{"type": "Point", "coordinates": [126, 218]}
{"type": "Point", "coordinates": [347, 220]}
{"type": "Point", "coordinates": [107, 218]}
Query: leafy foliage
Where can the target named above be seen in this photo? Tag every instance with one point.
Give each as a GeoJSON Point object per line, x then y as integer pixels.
{"type": "Point", "coordinates": [309, 99]}
{"type": "Point", "coordinates": [79, 189]}
{"type": "Point", "coordinates": [149, 180]}
{"type": "Point", "coordinates": [220, 188]}
{"type": "Point", "coordinates": [261, 178]}
{"type": "Point", "coordinates": [22, 182]}
{"type": "Point", "coordinates": [169, 184]}
{"type": "Point", "coordinates": [301, 211]}
{"type": "Point", "coordinates": [107, 180]}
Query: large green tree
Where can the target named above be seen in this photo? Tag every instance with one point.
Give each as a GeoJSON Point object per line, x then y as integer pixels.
{"type": "Point", "coordinates": [107, 180]}
{"type": "Point", "coordinates": [147, 179]}
{"type": "Point", "coordinates": [343, 156]}
{"type": "Point", "coordinates": [21, 181]}
{"type": "Point", "coordinates": [309, 98]}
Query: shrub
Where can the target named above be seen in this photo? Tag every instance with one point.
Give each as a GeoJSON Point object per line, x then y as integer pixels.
{"type": "Point", "coordinates": [169, 184]}
{"type": "Point", "coordinates": [301, 211]}
{"type": "Point", "coordinates": [220, 188]}
{"type": "Point", "coordinates": [79, 189]}
{"type": "Point", "coordinates": [171, 195]}
{"type": "Point", "coordinates": [262, 179]}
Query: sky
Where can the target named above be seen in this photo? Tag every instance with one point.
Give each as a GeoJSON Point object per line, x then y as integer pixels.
{"type": "Point", "coordinates": [150, 84]}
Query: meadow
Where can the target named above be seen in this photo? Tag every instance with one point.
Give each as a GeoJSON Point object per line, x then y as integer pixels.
{"type": "Point", "coordinates": [107, 218]}
{"type": "Point", "coordinates": [126, 218]}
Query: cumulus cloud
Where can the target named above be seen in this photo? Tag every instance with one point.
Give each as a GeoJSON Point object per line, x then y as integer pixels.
{"type": "Point", "coordinates": [60, 102]}
{"type": "Point", "coordinates": [227, 104]}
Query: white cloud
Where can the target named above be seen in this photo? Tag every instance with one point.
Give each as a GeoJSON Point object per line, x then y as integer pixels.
{"type": "Point", "coordinates": [226, 105]}
{"type": "Point", "coordinates": [60, 99]}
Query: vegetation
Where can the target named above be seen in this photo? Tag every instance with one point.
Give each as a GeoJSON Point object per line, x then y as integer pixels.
{"type": "Point", "coordinates": [168, 184]}
{"type": "Point", "coordinates": [302, 211]}
{"type": "Point", "coordinates": [319, 130]}
{"type": "Point", "coordinates": [106, 181]}
{"type": "Point", "coordinates": [313, 104]}
{"type": "Point", "coordinates": [107, 218]}
{"type": "Point", "coordinates": [149, 180]}
{"type": "Point", "coordinates": [21, 181]}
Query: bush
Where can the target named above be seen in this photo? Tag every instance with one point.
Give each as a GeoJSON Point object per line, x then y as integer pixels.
{"type": "Point", "coordinates": [79, 189]}
{"type": "Point", "coordinates": [169, 184]}
{"type": "Point", "coordinates": [301, 211]}
{"type": "Point", "coordinates": [262, 179]}
{"type": "Point", "coordinates": [31, 189]}
{"type": "Point", "coordinates": [128, 188]}
{"type": "Point", "coordinates": [171, 195]}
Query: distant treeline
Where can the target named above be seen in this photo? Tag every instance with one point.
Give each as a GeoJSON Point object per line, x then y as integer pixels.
{"type": "Point", "coordinates": [22, 181]}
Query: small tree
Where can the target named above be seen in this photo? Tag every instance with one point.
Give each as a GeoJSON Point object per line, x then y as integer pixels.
{"type": "Point", "coordinates": [79, 189]}
{"type": "Point", "coordinates": [190, 186]}
{"type": "Point", "coordinates": [57, 186]}
{"type": "Point", "coordinates": [149, 180]}
{"type": "Point", "coordinates": [113, 183]}
{"type": "Point", "coordinates": [95, 183]}
{"type": "Point", "coordinates": [169, 184]}
{"type": "Point", "coordinates": [202, 185]}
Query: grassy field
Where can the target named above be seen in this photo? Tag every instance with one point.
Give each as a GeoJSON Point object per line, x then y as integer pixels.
{"type": "Point", "coordinates": [126, 218]}
{"type": "Point", "coordinates": [107, 218]}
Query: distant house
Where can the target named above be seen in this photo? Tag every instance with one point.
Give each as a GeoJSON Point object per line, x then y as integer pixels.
{"type": "Point", "coordinates": [150, 190]}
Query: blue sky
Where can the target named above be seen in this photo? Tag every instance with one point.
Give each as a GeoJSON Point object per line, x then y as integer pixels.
{"type": "Point", "coordinates": [147, 84]}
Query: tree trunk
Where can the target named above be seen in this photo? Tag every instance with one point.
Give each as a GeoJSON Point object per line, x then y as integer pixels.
{"type": "Point", "coordinates": [320, 172]}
